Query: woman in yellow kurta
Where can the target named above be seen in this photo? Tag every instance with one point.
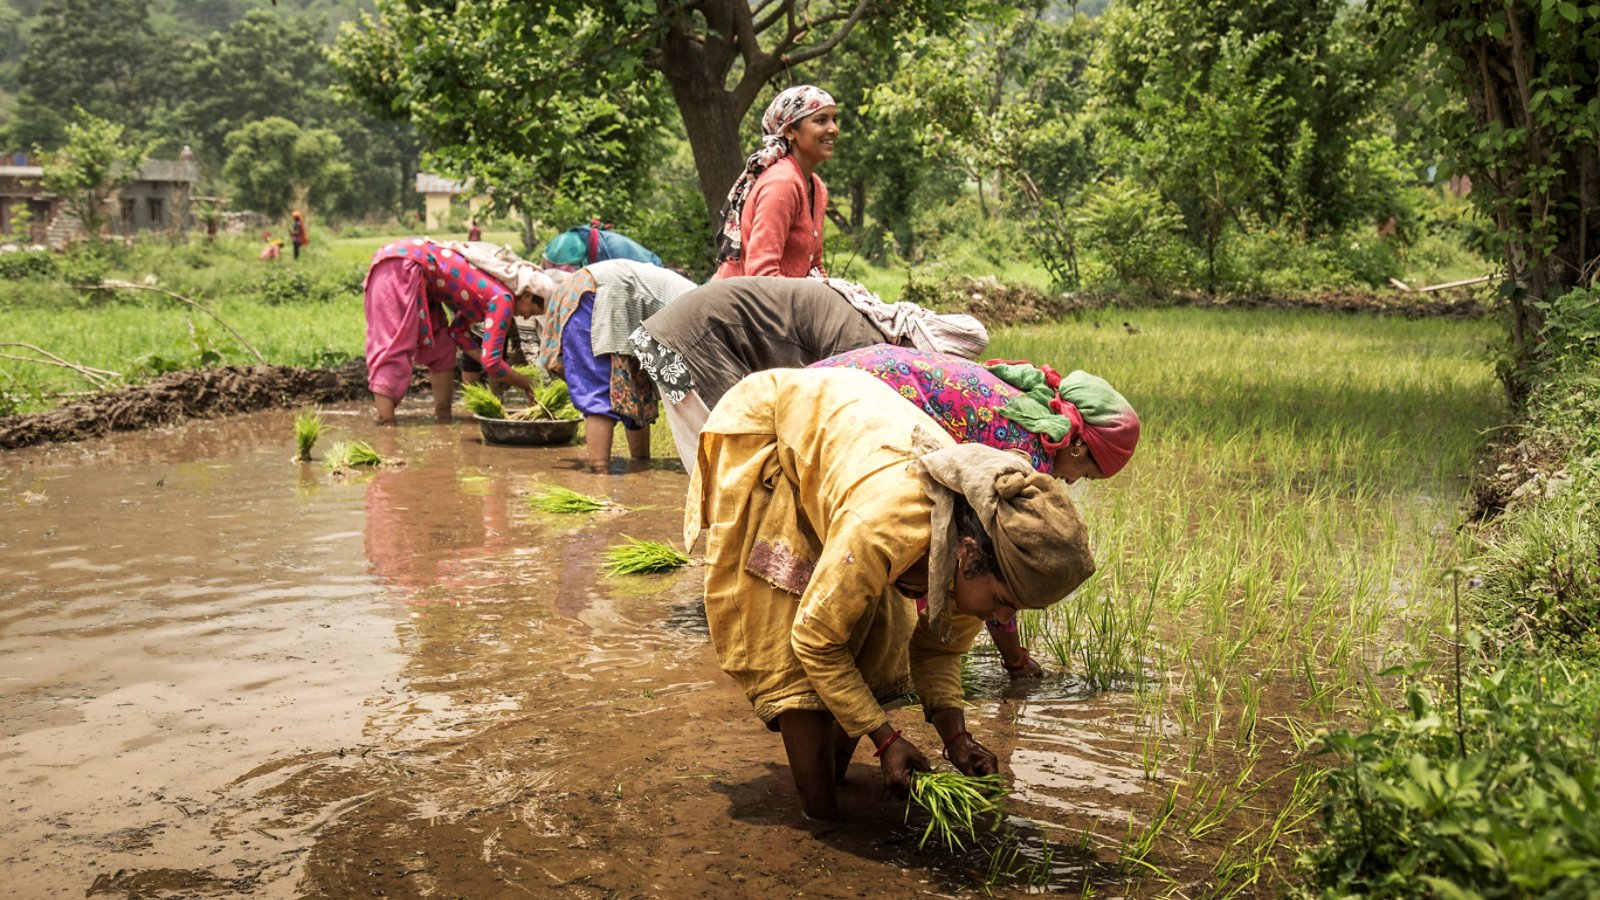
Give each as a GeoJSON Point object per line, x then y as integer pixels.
{"type": "Point", "coordinates": [853, 551]}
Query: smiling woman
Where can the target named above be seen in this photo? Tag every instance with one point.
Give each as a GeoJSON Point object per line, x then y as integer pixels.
{"type": "Point", "coordinates": [773, 217]}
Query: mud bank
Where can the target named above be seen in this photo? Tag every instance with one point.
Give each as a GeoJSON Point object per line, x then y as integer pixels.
{"type": "Point", "coordinates": [193, 394]}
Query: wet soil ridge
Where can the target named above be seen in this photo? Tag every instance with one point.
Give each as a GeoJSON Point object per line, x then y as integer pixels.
{"type": "Point", "coordinates": [997, 303]}
{"type": "Point", "coordinates": [195, 394]}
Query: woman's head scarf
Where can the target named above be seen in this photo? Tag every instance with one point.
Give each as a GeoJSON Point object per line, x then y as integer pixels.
{"type": "Point", "coordinates": [1039, 538]}
{"type": "Point", "coordinates": [567, 251]}
{"type": "Point", "coordinates": [1057, 408]}
{"type": "Point", "coordinates": [787, 108]}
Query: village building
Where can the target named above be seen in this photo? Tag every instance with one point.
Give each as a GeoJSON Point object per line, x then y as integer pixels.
{"type": "Point", "coordinates": [438, 193]}
{"type": "Point", "coordinates": [158, 199]}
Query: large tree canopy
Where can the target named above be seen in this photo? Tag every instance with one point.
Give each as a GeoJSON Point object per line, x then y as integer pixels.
{"type": "Point", "coordinates": [491, 71]}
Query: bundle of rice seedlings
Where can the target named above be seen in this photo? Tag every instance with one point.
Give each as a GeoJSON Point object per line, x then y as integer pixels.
{"type": "Point", "coordinates": [349, 454]}
{"type": "Point", "coordinates": [565, 501]}
{"type": "Point", "coordinates": [308, 426]}
{"type": "Point", "coordinates": [638, 557]}
{"type": "Point", "coordinates": [482, 401]}
{"type": "Point", "coordinates": [955, 803]}
{"type": "Point", "coordinates": [553, 401]}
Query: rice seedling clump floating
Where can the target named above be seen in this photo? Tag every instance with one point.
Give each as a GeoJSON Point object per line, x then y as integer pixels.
{"type": "Point", "coordinates": [308, 427]}
{"type": "Point", "coordinates": [352, 454]}
{"type": "Point", "coordinates": [638, 557]}
{"type": "Point", "coordinates": [566, 501]}
{"type": "Point", "coordinates": [956, 804]}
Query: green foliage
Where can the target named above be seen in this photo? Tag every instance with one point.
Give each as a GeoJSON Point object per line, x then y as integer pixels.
{"type": "Point", "coordinates": [98, 55]}
{"type": "Point", "coordinates": [273, 161]}
{"type": "Point", "coordinates": [1135, 231]}
{"type": "Point", "coordinates": [27, 264]}
{"type": "Point", "coordinates": [283, 285]}
{"type": "Point", "coordinates": [1508, 92]}
{"type": "Point", "coordinates": [1505, 808]}
{"type": "Point", "coordinates": [96, 159]}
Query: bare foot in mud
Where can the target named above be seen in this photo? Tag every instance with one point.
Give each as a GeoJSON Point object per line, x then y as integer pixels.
{"type": "Point", "coordinates": [389, 422]}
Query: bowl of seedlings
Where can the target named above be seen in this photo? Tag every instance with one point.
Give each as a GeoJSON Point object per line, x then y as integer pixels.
{"type": "Point", "coordinates": [549, 419]}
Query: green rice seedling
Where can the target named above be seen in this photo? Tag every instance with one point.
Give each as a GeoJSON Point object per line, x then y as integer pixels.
{"type": "Point", "coordinates": [638, 557]}
{"type": "Point", "coordinates": [482, 402]}
{"type": "Point", "coordinates": [308, 427]}
{"type": "Point", "coordinates": [552, 401]}
{"type": "Point", "coordinates": [565, 501]}
{"type": "Point", "coordinates": [955, 804]}
{"type": "Point", "coordinates": [352, 454]}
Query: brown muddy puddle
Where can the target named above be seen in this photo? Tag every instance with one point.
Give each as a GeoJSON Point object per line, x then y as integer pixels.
{"type": "Point", "coordinates": [225, 673]}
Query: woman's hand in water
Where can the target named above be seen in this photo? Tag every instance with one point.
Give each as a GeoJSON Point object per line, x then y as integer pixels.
{"type": "Point", "coordinates": [971, 757]}
{"type": "Point", "coordinates": [899, 759]}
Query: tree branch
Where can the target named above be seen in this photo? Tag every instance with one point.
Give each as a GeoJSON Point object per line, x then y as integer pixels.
{"type": "Point", "coordinates": [827, 46]}
{"type": "Point", "coordinates": [100, 378]}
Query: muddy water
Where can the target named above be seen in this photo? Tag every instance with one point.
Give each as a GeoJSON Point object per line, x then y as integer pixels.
{"type": "Point", "coordinates": [222, 672]}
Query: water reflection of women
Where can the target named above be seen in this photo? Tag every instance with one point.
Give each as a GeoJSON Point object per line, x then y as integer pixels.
{"type": "Point", "coordinates": [424, 532]}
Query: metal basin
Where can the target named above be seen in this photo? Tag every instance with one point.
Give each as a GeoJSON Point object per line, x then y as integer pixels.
{"type": "Point", "coordinates": [528, 431]}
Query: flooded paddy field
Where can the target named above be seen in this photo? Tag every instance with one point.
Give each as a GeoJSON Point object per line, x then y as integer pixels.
{"type": "Point", "coordinates": [225, 673]}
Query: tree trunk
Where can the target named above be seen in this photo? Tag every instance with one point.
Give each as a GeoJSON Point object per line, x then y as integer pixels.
{"type": "Point", "coordinates": [858, 205]}
{"type": "Point", "coordinates": [713, 126]}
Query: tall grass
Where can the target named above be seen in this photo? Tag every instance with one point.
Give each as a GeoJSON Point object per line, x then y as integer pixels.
{"type": "Point", "coordinates": [1278, 539]}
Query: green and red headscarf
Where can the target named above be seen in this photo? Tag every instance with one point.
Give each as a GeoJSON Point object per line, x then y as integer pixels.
{"type": "Point", "coordinates": [1058, 408]}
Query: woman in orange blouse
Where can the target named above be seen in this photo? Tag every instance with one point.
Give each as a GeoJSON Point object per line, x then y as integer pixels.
{"type": "Point", "coordinates": [772, 219]}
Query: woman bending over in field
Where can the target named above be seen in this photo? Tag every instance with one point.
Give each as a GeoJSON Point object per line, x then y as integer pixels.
{"type": "Point", "coordinates": [408, 289]}
{"type": "Point", "coordinates": [1071, 427]}
{"type": "Point", "coordinates": [852, 550]}
{"type": "Point", "coordinates": [698, 348]}
{"type": "Point", "coordinates": [583, 338]}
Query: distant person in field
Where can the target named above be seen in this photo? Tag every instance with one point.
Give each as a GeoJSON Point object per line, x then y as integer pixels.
{"type": "Point", "coordinates": [852, 549]}
{"type": "Point", "coordinates": [577, 247]}
{"type": "Point", "coordinates": [1074, 426]}
{"type": "Point", "coordinates": [297, 232]}
{"type": "Point", "coordinates": [584, 339]}
{"type": "Point", "coordinates": [270, 249]}
{"type": "Point", "coordinates": [474, 233]}
{"type": "Point", "coordinates": [410, 287]}
{"type": "Point", "coordinates": [772, 221]}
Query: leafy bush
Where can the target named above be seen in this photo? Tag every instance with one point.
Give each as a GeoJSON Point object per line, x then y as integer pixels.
{"type": "Point", "coordinates": [1410, 813]}
{"type": "Point", "coordinates": [279, 285]}
{"type": "Point", "coordinates": [1135, 232]}
{"type": "Point", "coordinates": [1571, 324]}
{"type": "Point", "coordinates": [27, 264]}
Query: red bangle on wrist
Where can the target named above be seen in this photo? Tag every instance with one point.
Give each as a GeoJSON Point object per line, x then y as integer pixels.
{"type": "Point", "coordinates": [1023, 664]}
{"type": "Point", "coordinates": [885, 745]}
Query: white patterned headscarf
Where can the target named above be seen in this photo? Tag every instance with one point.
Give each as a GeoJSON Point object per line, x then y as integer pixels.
{"type": "Point", "coordinates": [787, 108]}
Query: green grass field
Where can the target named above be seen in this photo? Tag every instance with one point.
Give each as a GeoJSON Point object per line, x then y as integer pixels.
{"type": "Point", "coordinates": [1280, 538]}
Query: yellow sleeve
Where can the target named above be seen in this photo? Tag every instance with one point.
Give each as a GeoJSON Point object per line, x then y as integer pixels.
{"type": "Point", "coordinates": [936, 665]}
{"type": "Point", "coordinates": [850, 580]}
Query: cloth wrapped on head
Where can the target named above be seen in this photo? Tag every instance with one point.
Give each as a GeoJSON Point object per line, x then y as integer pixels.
{"type": "Point", "coordinates": [1039, 538]}
{"type": "Point", "coordinates": [567, 251]}
{"type": "Point", "coordinates": [789, 107]}
{"type": "Point", "coordinates": [955, 333]}
{"type": "Point", "coordinates": [1057, 408]}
